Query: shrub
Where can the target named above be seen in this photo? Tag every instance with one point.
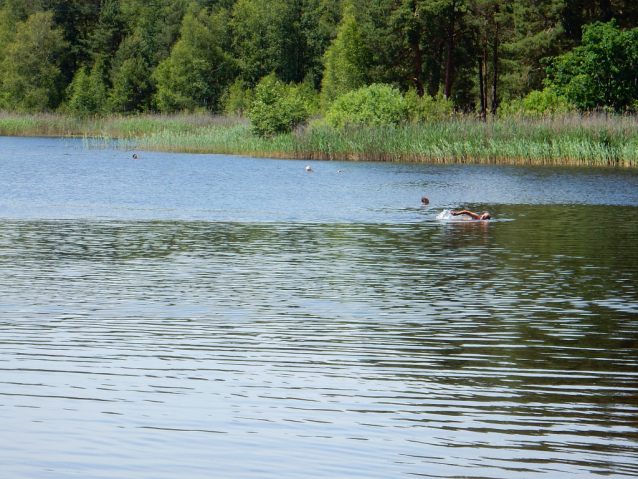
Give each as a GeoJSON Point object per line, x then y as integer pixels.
{"type": "Point", "coordinates": [427, 109]}
{"type": "Point", "coordinates": [238, 99]}
{"type": "Point", "coordinates": [277, 108]}
{"type": "Point", "coordinates": [374, 105]}
{"type": "Point", "coordinates": [538, 103]}
{"type": "Point", "coordinates": [309, 95]}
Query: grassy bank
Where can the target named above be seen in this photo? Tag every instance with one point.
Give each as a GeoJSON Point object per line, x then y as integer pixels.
{"type": "Point", "coordinates": [575, 139]}
{"type": "Point", "coordinates": [116, 126]}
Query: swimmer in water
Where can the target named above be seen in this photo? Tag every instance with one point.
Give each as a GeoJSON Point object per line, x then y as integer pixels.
{"type": "Point", "coordinates": [425, 200]}
{"type": "Point", "coordinates": [308, 168]}
{"type": "Point", "coordinates": [135, 157]}
{"type": "Point", "coordinates": [474, 216]}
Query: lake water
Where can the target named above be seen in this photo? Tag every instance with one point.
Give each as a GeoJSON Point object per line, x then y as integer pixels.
{"type": "Point", "coordinates": [199, 316]}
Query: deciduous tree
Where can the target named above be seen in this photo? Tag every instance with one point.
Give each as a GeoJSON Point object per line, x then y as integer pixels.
{"type": "Point", "coordinates": [30, 75]}
{"type": "Point", "coordinates": [87, 91]}
{"type": "Point", "coordinates": [347, 61]}
{"type": "Point", "coordinates": [198, 68]}
{"type": "Point", "coordinates": [602, 72]}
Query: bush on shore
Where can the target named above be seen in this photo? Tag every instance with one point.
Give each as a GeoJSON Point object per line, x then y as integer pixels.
{"type": "Point", "coordinates": [277, 107]}
{"type": "Point", "coordinates": [372, 106]}
{"type": "Point", "coordinates": [538, 104]}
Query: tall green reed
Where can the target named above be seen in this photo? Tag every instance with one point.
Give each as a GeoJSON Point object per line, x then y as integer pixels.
{"type": "Point", "coordinates": [592, 139]}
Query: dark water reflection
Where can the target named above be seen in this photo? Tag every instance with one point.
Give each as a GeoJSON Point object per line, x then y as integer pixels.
{"type": "Point", "coordinates": [261, 349]}
{"type": "Point", "coordinates": [291, 350]}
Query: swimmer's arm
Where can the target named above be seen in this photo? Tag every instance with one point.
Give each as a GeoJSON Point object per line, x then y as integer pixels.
{"type": "Point", "coordinates": [465, 212]}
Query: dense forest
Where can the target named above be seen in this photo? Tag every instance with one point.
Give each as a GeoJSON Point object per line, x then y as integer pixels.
{"type": "Point", "coordinates": [116, 56]}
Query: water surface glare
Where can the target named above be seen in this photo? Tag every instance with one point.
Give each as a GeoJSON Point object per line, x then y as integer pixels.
{"type": "Point", "coordinates": [207, 316]}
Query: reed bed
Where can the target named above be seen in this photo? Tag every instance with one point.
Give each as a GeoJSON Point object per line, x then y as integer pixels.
{"type": "Point", "coordinates": [595, 139]}
{"type": "Point", "coordinates": [475, 142]}
{"type": "Point", "coordinates": [113, 127]}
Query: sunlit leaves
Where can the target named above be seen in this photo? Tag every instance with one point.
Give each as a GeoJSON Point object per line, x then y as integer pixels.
{"type": "Point", "coordinates": [602, 72]}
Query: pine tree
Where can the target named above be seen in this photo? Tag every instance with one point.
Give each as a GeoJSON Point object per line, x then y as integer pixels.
{"type": "Point", "coordinates": [535, 32]}
{"type": "Point", "coordinates": [130, 77]}
{"type": "Point", "coordinates": [267, 37]}
{"type": "Point", "coordinates": [104, 39]}
{"type": "Point", "coordinates": [155, 29]}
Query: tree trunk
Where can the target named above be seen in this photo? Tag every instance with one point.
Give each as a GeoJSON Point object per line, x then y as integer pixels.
{"type": "Point", "coordinates": [481, 89]}
{"type": "Point", "coordinates": [447, 89]}
{"type": "Point", "coordinates": [418, 60]}
{"type": "Point", "coordinates": [495, 68]}
{"type": "Point", "coordinates": [485, 82]}
{"type": "Point", "coordinates": [606, 13]}
{"type": "Point", "coordinates": [418, 71]}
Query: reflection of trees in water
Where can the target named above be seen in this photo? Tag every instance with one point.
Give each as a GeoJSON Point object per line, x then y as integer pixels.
{"type": "Point", "coordinates": [462, 234]}
{"type": "Point", "coordinates": [524, 283]}
{"type": "Point", "coordinates": [501, 315]}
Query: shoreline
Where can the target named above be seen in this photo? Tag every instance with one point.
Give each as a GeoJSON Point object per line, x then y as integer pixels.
{"type": "Point", "coordinates": [588, 140]}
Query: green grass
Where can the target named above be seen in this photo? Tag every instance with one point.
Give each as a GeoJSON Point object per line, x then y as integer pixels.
{"type": "Point", "coordinates": [572, 139]}
{"type": "Point", "coordinates": [114, 127]}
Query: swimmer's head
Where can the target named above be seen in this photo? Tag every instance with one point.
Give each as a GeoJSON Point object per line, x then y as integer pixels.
{"type": "Point", "coordinates": [308, 168]}
{"type": "Point", "coordinates": [425, 200]}
{"type": "Point", "coordinates": [135, 157]}
{"type": "Point", "coordinates": [486, 216]}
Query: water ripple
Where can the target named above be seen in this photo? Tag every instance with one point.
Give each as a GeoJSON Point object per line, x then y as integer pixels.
{"type": "Point", "coordinates": [314, 350]}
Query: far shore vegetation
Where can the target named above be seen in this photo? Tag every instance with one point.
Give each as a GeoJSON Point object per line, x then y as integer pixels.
{"type": "Point", "coordinates": [600, 138]}
{"type": "Point", "coordinates": [472, 81]}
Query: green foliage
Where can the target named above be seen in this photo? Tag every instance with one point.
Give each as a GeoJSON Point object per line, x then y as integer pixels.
{"type": "Point", "coordinates": [374, 105]}
{"type": "Point", "coordinates": [277, 108]}
{"type": "Point", "coordinates": [87, 92]}
{"type": "Point", "coordinates": [238, 99]}
{"type": "Point", "coordinates": [104, 40]}
{"type": "Point", "coordinates": [533, 32]}
{"type": "Point", "coordinates": [8, 22]}
{"type": "Point", "coordinates": [347, 61]}
{"type": "Point", "coordinates": [538, 103]}
{"type": "Point", "coordinates": [428, 109]}
{"type": "Point", "coordinates": [309, 95]}
{"type": "Point", "coordinates": [153, 30]}
{"type": "Point", "coordinates": [198, 69]}
{"type": "Point", "coordinates": [577, 13]}
{"type": "Point", "coordinates": [184, 55]}
{"type": "Point", "coordinates": [318, 22]}
{"type": "Point", "coordinates": [30, 73]}
{"type": "Point", "coordinates": [602, 72]}
{"type": "Point", "coordinates": [156, 24]}
{"type": "Point", "coordinates": [129, 83]}
{"type": "Point", "coordinates": [407, 41]}
{"type": "Point", "coordinates": [267, 38]}
{"type": "Point", "coordinates": [546, 101]}
{"type": "Point", "coordinates": [131, 77]}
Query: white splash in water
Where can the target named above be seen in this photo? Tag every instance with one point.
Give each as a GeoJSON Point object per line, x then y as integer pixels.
{"type": "Point", "coordinates": [445, 215]}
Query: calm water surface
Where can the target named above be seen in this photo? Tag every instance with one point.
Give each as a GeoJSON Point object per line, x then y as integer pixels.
{"type": "Point", "coordinates": [197, 316]}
